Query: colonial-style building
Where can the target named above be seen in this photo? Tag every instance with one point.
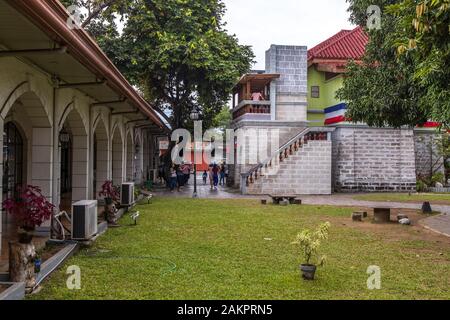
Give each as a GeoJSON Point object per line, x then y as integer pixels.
{"type": "Point", "coordinates": [318, 151]}
{"type": "Point", "coordinates": [70, 119]}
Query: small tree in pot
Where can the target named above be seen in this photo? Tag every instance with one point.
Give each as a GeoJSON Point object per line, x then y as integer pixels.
{"type": "Point", "coordinates": [309, 242]}
{"type": "Point", "coordinates": [30, 209]}
{"type": "Point", "coordinates": [111, 195]}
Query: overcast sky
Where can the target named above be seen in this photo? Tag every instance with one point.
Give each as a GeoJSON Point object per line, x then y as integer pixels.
{"type": "Point", "coordinates": [260, 23]}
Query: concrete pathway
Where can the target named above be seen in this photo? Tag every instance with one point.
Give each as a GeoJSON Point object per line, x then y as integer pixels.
{"type": "Point", "coordinates": [439, 224]}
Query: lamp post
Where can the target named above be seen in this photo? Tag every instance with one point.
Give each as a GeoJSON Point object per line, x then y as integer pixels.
{"type": "Point", "coordinates": [195, 115]}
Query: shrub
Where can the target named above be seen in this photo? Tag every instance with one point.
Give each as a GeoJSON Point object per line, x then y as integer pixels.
{"type": "Point", "coordinates": [109, 191]}
{"type": "Point", "coordinates": [310, 241]}
{"type": "Point", "coordinates": [438, 177]}
{"type": "Point", "coordinates": [421, 186]}
{"type": "Point", "coordinates": [30, 207]}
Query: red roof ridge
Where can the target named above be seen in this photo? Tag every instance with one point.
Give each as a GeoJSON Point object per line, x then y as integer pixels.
{"type": "Point", "coordinates": [347, 45]}
{"type": "Point", "coordinates": [324, 44]}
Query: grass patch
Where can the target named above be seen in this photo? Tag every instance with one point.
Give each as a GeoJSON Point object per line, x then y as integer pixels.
{"type": "Point", "coordinates": [219, 249]}
{"type": "Point", "coordinates": [437, 198]}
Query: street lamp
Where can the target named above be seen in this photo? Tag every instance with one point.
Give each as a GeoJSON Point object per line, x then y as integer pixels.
{"type": "Point", "coordinates": [195, 115]}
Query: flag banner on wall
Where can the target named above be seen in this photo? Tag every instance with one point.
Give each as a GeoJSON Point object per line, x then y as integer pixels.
{"type": "Point", "coordinates": [335, 114]}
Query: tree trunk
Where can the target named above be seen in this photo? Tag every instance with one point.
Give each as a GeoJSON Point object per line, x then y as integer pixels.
{"type": "Point", "coordinates": [110, 213]}
{"type": "Point", "coordinates": [21, 264]}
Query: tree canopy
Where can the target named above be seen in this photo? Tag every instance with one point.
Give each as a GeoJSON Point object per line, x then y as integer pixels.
{"type": "Point", "coordinates": [177, 52]}
{"type": "Point", "coordinates": [403, 78]}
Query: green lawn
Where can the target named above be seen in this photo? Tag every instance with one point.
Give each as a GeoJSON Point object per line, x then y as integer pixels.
{"type": "Point", "coordinates": [219, 249]}
{"type": "Point", "coordinates": [405, 197]}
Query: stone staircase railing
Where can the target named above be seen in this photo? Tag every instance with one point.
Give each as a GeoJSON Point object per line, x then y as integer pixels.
{"type": "Point", "coordinates": [286, 150]}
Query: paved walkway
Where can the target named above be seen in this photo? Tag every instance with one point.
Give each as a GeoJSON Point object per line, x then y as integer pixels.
{"type": "Point", "coordinates": [439, 224]}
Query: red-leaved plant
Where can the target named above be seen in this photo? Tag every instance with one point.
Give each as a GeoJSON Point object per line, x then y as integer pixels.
{"type": "Point", "coordinates": [29, 207]}
{"type": "Point", "coordinates": [109, 191]}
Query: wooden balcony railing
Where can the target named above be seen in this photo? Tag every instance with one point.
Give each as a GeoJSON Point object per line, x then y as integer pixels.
{"type": "Point", "coordinates": [252, 109]}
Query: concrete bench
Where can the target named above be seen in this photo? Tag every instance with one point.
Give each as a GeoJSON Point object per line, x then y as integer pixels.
{"type": "Point", "coordinates": [382, 215]}
{"type": "Point", "coordinates": [278, 198]}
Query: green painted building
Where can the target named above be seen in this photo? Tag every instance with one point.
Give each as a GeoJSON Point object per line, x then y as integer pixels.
{"type": "Point", "coordinates": [326, 67]}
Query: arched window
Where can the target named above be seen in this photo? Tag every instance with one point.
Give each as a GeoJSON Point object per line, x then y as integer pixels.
{"type": "Point", "coordinates": [12, 160]}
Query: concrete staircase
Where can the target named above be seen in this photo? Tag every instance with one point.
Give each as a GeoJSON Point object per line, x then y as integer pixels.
{"type": "Point", "coordinates": [303, 165]}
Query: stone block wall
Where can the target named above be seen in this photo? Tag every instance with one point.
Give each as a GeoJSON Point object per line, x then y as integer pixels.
{"type": "Point", "coordinates": [373, 159]}
{"type": "Point", "coordinates": [429, 158]}
{"type": "Point", "coordinates": [291, 88]}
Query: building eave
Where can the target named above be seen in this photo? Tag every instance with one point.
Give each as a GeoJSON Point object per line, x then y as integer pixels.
{"type": "Point", "coordinates": [51, 17]}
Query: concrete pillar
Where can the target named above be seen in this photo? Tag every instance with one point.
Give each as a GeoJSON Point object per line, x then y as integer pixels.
{"type": "Point", "coordinates": [117, 160]}
{"type": "Point", "coordinates": [129, 159]}
{"type": "Point", "coordinates": [1, 179]}
{"type": "Point", "coordinates": [80, 168]}
{"type": "Point", "coordinates": [102, 162]}
{"type": "Point", "coordinates": [145, 156]}
{"type": "Point", "coordinates": [42, 160]}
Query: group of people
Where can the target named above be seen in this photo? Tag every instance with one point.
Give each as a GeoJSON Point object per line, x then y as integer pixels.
{"type": "Point", "coordinates": [218, 175]}
{"type": "Point", "coordinates": [179, 175]}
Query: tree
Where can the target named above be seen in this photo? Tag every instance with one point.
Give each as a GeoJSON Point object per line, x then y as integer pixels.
{"type": "Point", "coordinates": [222, 120]}
{"type": "Point", "coordinates": [177, 52]}
{"type": "Point", "coordinates": [424, 34]}
{"type": "Point", "coordinates": [97, 10]}
{"type": "Point", "coordinates": [384, 90]}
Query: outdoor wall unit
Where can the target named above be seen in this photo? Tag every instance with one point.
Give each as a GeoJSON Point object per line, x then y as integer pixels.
{"type": "Point", "coordinates": [127, 194]}
{"type": "Point", "coordinates": [84, 219]}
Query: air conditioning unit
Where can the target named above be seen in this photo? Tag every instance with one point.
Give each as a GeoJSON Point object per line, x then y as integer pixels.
{"type": "Point", "coordinates": [84, 219]}
{"type": "Point", "coordinates": [127, 194]}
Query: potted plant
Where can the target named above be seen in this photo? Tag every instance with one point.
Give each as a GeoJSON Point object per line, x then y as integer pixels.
{"type": "Point", "coordinates": [111, 195]}
{"type": "Point", "coordinates": [30, 209]}
{"type": "Point", "coordinates": [309, 242]}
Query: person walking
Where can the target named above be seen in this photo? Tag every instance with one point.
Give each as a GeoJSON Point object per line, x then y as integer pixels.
{"type": "Point", "coordinates": [205, 176]}
{"type": "Point", "coordinates": [173, 178]}
{"type": "Point", "coordinates": [186, 171]}
{"type": "Point", "coordinates": [215, 170]}
{"type": "Point", "coordinates": [222, 175]}
{"type": "Point", "coordinates": [161, 173]}
{"type": "Point", "coordinates": [211, 176]}
{"type": "Point", "coordinates": [180, 178]}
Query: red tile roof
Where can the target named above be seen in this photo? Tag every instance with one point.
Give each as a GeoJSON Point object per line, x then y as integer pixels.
{"type": "Point", "coordinates": [345, 45]}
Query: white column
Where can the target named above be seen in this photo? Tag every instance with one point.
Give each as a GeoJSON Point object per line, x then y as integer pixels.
{"type": "Point", "coordinates": [42, 160]}
{"type": "Point", "coordinates": [129, 160]}
{"type": "Point", "coordinates": [145, 156]}
{"type": "Point", "coordinates": [1, 179]}
{"type": "Point", "coordinates": [80, 168]}
{"type": "Point", "coordinates": [117, 161]}
{"type": "Point", "coordinates": [102, 163]}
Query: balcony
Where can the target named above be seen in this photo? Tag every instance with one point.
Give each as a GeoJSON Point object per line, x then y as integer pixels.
{"type": "Point", "coordinates": [252, 97]}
